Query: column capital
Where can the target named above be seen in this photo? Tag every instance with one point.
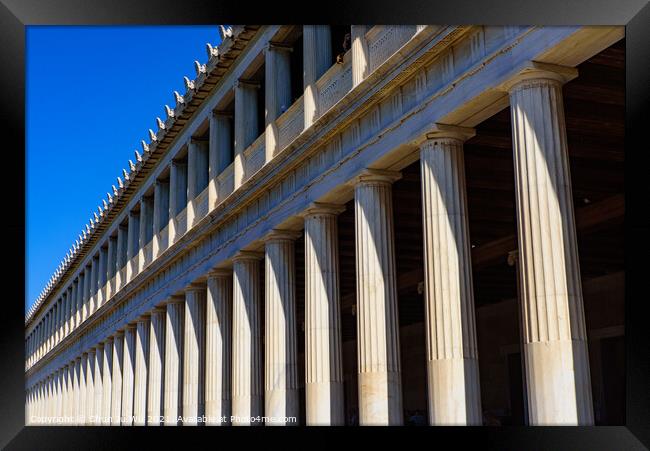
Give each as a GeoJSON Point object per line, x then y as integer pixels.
{"type": "Point", "coordinates": [220, 272]}
{"type": "Point", "coordinates": [247, 255]}
{"type": "Point", "coordinates": [536, 72]}
{"type": "Point", "coordinates": [278, 46]}
{"type": "Point", "coordinates": [281, 235]}
{"type": "Point", "coordinates": [450, 132]}
{"type": "Point", "coordinates": [376, 176]}
{"type": "Point", "coordinates": [158, 309]}
{"type": "Point", "coordinates": [197, 140]}
{"type": "Point", "coordinates": [322, 209]}
{"type": "Point", "coordinates": [108, 340]}
{"type": "Point", "coordinates": [242, 82]}
{"type": "Point", "coordinates": [221, 113]}
{"type": "Point", "coordinates": [144, 317]}
{"type": "Point", "coordinates": [175, 299]}
{"type": "Point", "coordinates": [195, 286]}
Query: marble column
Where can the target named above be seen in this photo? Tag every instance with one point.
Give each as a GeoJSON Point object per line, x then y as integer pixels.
{"type": "Point", "coordinates": [111, 267]}
{"type": "Point", "coordinates": [141, 370]}
{"type": "Point", "coordinates": [145, 232]}
{"type": "Point", "coordinates": [450, 322]}
{"type": "Point", "coordinates": [281, 397]}
{"type": "Point", "coordinates": [128, 375]}
{"type": "Point", "coordinates": [380, 391]}
{"type": "Point", "coordinates": [48, 320]}
{"type": "Point", "coordinates": [246, 346]}
{"type": "Point", "coordinates": [194, 355]}
{"type": "Point", "coordinates": [132, 245]}
{"type": "Point", "coordinates": [65, 327]}
{"type": "Point", "coordinates": [90, 387]}
{"type": "Point", "coordinates": [58, 381]}
{"type": "Point", "coordinates": [160, 215]}
{"type": "Point", "coordinates": [323, 354]}
{"type": "Point", "coordinates": [85, 295]}
{"type": "Point", "coordinates": [57, 314]}
{"type": "Point", "coordinates": [101, 277]}
{"type": "Point", "coordinates": [277, 92]}
{"type": "Point", "coordinates": [92, 286]}
{"type": "Point", "coordinates": [116, 381]}
{"type": "Point", "coordinates": [156, 365]}
{"type": "Point", "coordinates": [107, 382]}
{"type": "Point", "coordinates": [72, 307]}
{"type": "Point", "coordinates": [218, 347]}
{"type": "Point", "coordinates": [121, 243]}
{"type": "Point", "coordinates": [98, 383]}
{"type": "Point", "coordinates": [246, 128]}
{"type": "Point", "coordinates": [68, 405]}
{"type": "Point", "coordinates": [192, 173]}
{"type": "Point", "coordinates": [220, 152]}
{"type": "Point", "coordinates": [317, 58]}
{"type": "Point", "coordinates": [177, 198]}
{"type": "Point", "coordinates": [83, 380]}
{"type": "Point", "coordinates": [173, 378]}
{"type": "Point", "coordinates": [67, 395]}
{"type": "Point", "coordinates": [360, 58]}
{"type": "Point", "coordinates": [76, 368]}
{"type": "Point", "coordinates": [555, 337]}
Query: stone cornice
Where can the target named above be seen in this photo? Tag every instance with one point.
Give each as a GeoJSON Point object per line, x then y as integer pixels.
{"type": "Point", "coordinates": [220, 59]}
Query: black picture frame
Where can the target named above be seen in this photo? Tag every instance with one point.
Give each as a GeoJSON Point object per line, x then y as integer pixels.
{"type": "Point", "coordinates": [15, 15]}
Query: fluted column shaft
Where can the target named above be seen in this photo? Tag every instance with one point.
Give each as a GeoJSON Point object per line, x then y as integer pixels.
{"type": "Point", "coordinates": [360, 57]}
{"type": "Point", "coordinates": [173, 361]}
{"type": "Point", "coordinates": [128, 375]}
{"type": "Point", "coordinates": [555, 338]}
{"type": "Point", "coordinates": [281, 365]}
{"type": "Point", "coordinates": [121, 243]}
{"type": "Point", "coordinates": [57, 316]}
{"type": "Point", "coordinates": [277, 92]}
{"type": "Point", "coordinates": [220, 152]}
{"type": "Point", "coordinates": [194, 355]}
{"type": "Point", "coordinates": [67, 391]}
{"type": "Point", "coordinates": [92, 286]}
{"type": "Point", "coordinates": [246, 358]}
{"type": "Point", "coordinates": [75, 388]}
{"type": "Point", "coordinates": [452, 355]}
{"type": "Point", "coordinates": [90, 387]}
{"type": "Point", "coordinates": [156, 365]}
{"type": "Point", "coordinates": [98, 383]}
{"type": "Point", "coordinates": [380, 392]}
{"type": "Point", "coordinates": [317, 58]}
{"type": "Point", "coordinates": [177, 198]}
{"type": "Point", "coordinates": [246, 128]}
{"type": "Point", "coordinates": [58, 380]}
{"type": "Point", "coordinates": [132, 245]}
{"type": "Point", "coordinates": [83, 396]}
{"type": "Point", "coordinates": [218, 347]}
{"type": "Point", "coordinates": [85, 294]}
{"type": "Point", "coordinates": [111, 267]}
{"type": "Point", "coordinates": [323, 355]}
{"type": "Point", "coordinates": [107, 382]}
{"type": "Point", "coordinates": [141, 367]}
{"type": "Point", "coordinates": [116, 382]}
{"type": "Point", "coordinates": [160, 214]}
{"type": "Point", "coordinates": [146, 229]}
{"type": "Point", "coordinates": [101, 277]}
{"type": "Point", "coordinates": [192, 182]}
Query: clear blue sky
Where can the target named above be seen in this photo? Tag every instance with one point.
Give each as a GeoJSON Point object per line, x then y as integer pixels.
{"type": "Point", "coordinates": [92, 95]}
